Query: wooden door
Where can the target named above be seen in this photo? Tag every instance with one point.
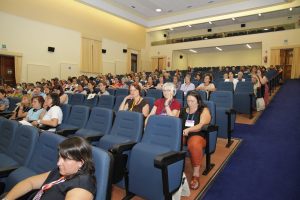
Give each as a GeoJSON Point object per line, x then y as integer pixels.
{"type": "Point", "coordinates": [7, 70]}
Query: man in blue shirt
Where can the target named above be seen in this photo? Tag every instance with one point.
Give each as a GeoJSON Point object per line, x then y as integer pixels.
{"type": "Point", "coordinates": [4, 102]}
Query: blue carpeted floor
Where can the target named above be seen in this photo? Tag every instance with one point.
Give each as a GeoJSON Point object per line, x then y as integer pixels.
{"type": "Point", "coordinates": [267, 164]}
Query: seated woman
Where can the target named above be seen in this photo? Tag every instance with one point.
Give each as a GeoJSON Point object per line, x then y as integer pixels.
{"type": "Point", "coordinates": [207, 84]}
{"type": "Point", "coordinates": [134, 102]}
{"type": "Point", "coordinates": [102, 88]}
{"type": "Point", "coordinates": [231, 79]}
{"type": "Point", "coordinates": [63, 98]}
{"type": "Point", "coordinates": [23, 108]}
{"type": "Point", "coordinates": [72, 179]}
{"type": "Point", "coordinates": [194, 117]}
{"type": "Point", "coordinates": [167, 105]}
{"type": "Point", "coordinates": [52, 115]}
{"type": "Point", "coordinates": [35, 112]}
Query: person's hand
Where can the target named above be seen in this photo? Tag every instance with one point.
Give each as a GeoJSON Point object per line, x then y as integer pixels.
{"type": "Point", "coordinates": [34, 123]}
{"type": "Point", "coordinates": [128, 97]}
{"type": "Point", "coordinates": [168, 100]}
{"type": "Point", "coordinates": [185, 132]}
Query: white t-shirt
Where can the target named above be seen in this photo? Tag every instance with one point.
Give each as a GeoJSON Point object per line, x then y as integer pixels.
{"type": "Point", "coordinates": [54, 113]}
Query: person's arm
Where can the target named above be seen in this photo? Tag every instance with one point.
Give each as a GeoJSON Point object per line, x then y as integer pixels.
{"type": "Point", "coordinates": [21, 113]}
{"type": "Point", "coordinates": [63, 98]}
{"type": "Point", "coordinates": [124, 105]}
{"type": "Point", "coordinates": [211, 87]}
{"type": "Point", "coordinates": [264, 80]}
{"type": "Point", "coordinates": [173, 113]}
{"type": "Point", "coordinates": [153, 111]}
{"type": "Point", "coordinates": [27, 185]}
{"type": "Point", "coordinates": [205, 118]}
{"type": "Point", "coordinates": [2, 107]}
{"type": "Point", "coordinates": [79, 194]}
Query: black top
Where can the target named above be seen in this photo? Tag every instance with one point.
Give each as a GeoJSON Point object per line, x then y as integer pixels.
{"type": "Point", "coordinates": [137, 107]}
{"type": "Point", "coordinates": [25, 109]}
{"type": "Point", "coordinates": [194, 116]}
{"type": "Point", "coordinates": [59, 191]}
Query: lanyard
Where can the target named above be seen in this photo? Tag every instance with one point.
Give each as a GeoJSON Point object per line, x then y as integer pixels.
{"type": "Point", "coordinates": [134, 104]}
{"type": "Point", "coordinates": [189, 116]}
{"type": "Point", "coordinates": [47, 187]}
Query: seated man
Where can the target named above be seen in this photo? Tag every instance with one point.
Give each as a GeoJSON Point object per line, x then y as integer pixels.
{"type": "Point", "coordinates": [4, 102]}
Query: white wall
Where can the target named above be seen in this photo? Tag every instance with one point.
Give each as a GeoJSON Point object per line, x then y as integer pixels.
{"type": "Point", "coordinates": [114, 60]}
{"type": "Point", "coordinates": [32, 38]}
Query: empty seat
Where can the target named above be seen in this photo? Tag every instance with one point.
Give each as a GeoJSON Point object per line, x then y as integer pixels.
{"type": "Point", "coordinates": [203, 94]}
{"type": "Point", "coordinates": [43, 160]}
{"type": "Point", "coordinates": [119, 100]}
{"type": "Point", "coordinates": [7, 133]}
{"type": "Point", "coordinates": [179, 95]}
{"type": "Point", "coordinates": [244, 98]}
{"type": "Point", "coordinates": [225, 115]}
{"type": "Point", "coordinates": [66, 109]}
{"type": "Point", "coordinates": [79, 116]}
{"type": "Point", "coordinates": [77, 99]}
{"type": "Point", "coordinates": [225, 86]}
{"type": "Point", "coordinates": [111, 91]}
{"type": "Point", "coordinates": [122, 91]}
{"type": "Point", "coordinates": [157, 94]}
{"type": "Point", "coordinates": [158, 149]}
{"type": "Point", "coordinates": [106, 101]}
{"type": "Point", "coordinates": [99, 124]}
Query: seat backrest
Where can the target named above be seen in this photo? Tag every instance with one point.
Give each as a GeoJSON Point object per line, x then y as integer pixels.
{"type": "Point", "coordinates": [118, 102]}
{"type": "Point", "coordinates": [24, 144]}
{"type": "Point", "coordinates": [66, 109]}
{"type": "Point", "coordinates": [222, 99]}
{"type": "Point", "coordinates": [157, 94]}
{"type": "Point", "coordinates": [111, 91]}
{"type": "Point", "coordinates": [100, 120]}
{"type": "Point", "coordinates": [203, 94]}
{"type": "Point", "coordinates": [225, 86]}
{"type": "Point", "coordinates": [7, 133]}
{"type": "Point", "coordinates": [77, 99]}
{"type": "Point", "coordinates": [179, 95]}
{"type": "Point", "coordinates": [103, 162]}
{"type": "Point", "coordinates": [163, 131]}
{"type": "Point", "coordinates": [13, 102]}
{"type": "Point", "coordinates": [122, 91]}
{"type": "Point", "coordinates": [79, 116]}
{"type": "Point", "coordinates": [91, 102]}
{"type": "Point", "coordinates": [151, 101]}
{"type": "Point", "coordinates": [128, 125]}
{"type": "Point", "coordinates": [45, 153]}
{"type": "Point", "coordinates": [212, 109]}
{"type": "Point", "coordinates": [106, 101]}
{"type": "Point", "coordinates": [244, 87]}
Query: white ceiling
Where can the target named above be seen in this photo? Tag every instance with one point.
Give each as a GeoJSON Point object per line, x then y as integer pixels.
{"type": "Point", "coordinates": [174, 11]}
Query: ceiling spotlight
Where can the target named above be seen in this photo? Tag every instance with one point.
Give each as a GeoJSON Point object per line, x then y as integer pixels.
{"type": "Point", "coordinates": [158, 10]}
{"type": "Point", "coordinates": [219, 48]}
{"type": "Point", "coordinates": [192, 50]}
{"type": "Point", "coordinates": [291, 9]}
{"type": "Point", "coordinates": [233, 18]}
{"type": "Point", "coordinates": [248, 46]}
{"type": "Point", "coordinates": [189, 26]}
{"type": "Point", "coordinates": [265, 29]}
{"type": "Point", "coordinates": [259, 14]}
{"type": "Point", "coordinates": [171, 29]}
{"type": "Point", "coordinates": [210, 22]}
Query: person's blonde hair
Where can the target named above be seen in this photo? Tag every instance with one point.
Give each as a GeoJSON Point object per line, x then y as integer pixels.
{"type": "Point", "coordinates": [169, 86]}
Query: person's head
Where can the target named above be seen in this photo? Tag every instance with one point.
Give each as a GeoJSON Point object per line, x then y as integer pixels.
{"type": "Point", "coordinates": [259, 72]}
{"type": "Point", "coordinates": [136, 79]}
{"type": "Point", "coordinates": [26, 100]}
{"type": "Point", "coordinates": [102, 85]}
{"type": "Point", "coordinates": [47, 90]}
{"type": "Point", "coordinates": [240, 75]}
{"type": "Point", "coordinates": [254, 79]}
{"type": "Point", "coordinates": [230, 75]}
{"type": "Point", "coordinates": [150, 80]}
{"type": "Point", "coordinates": [225, 75]}
{"type": "Point", "coordinates": [2, 93]}
{"type": "Point", "coordinates": [37, 90]}
{"type": "Point", "coordinates": [58, 90]}
{"type": "Point", "coordinates": [169, 89]}
{"type": "Point", "coordinates": [194, 100]}
{"type": "Point", "coordinates": [187, 79]}
{"type": "Point", "coordinates": [175, 79]}
{"type": "Point", "coordinates": [135, 90]}
{"type": "Point", "coordinates": [207, 78]}
{"type": "Point", "coordinates": [52, 100]}
{"type": "Point", "coordinates": [80, 88]}
{"type": "Point", "coordinates": [198, 77]}
{"type": "Point", "coordinates": [37, 102]}
{"type": "Point", "coordinates": [253, 70]}
{"type": "Point", "coordinates": [75, 156]}
{"type": "Point", "coordinates": [161, 79]}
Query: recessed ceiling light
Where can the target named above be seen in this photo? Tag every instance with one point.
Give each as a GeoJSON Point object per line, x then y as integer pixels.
{"type": "Point", "coordinates": [259, 14]}
{"type": "Point", "coordinates": [192, 50]}
{"type": "Point", "coordinates": [219, 48]}
{"type": "Point", "coordinates": [266, 29]}
{"type": "Point", "coordinates": [171, 29]}
{"type": "Point", "coordinates": [158, 10]}
{"type": "Point", "coordinates": [189, 6]}
{"type": "Point", "coordinates": [132, 6]}
{"type": "Point", "coordinates": [248, 46]}
{"type": "Point", "coordinates": [291, 9]}
{"type": "Point", "coordinates": [210, 22]}
{"type": "Point", "coordinates": [233, 18]}
{"type": "Point", "coordinates": [189, 26]}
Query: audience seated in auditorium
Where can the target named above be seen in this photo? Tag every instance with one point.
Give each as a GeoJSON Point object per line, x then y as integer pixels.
{"type": "Point", "coordinates": [102, 88]}
{"type": "Point", "coordinates": [207, 84]}
{"type": "Point", "coordinates": [187, 85]}
{"type": "Point", "coordinates": [134, 101]}
{"type": "Point", "coordinates": [4, 102]}
{"type": "Point", "coordinates": [52, 114]}
{"type": "Point", "coordinates": [72, 179]}
{"type": "Point", "coordinates": [23, 108]}
{"type": "Point", "coordinates": [63, 98]}
{"type": "Point", "coordinates": [167, 105]}
{"type": "Point", "coordinates": [194, 117]}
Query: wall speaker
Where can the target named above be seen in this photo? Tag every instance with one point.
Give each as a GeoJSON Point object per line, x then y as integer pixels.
{"type": "Point", "coordinates": [124, 50]}
{"type": "Point", "coordinates": [103, 50]}
{"type": "Point", "coordinates": [209, 30]}
{"type": "Point", "coordinates": [51, 49]}
{"type": "Point", "coordinates": [243, 25]}
{"type": "Point", "coordinates": [181, 56]}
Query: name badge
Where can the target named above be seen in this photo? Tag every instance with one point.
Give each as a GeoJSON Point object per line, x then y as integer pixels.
{"type": "Point", "coordinates": [189, 123]}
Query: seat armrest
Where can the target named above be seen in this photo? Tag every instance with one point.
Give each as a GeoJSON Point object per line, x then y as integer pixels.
{"type": "Point", "coordinates": [5, 171]}
{"type": "Point", "coordinates": [163, 160]}
{"type": "Point", "coordinates": [120, 148]}
{"type": "Point", "coordinates": [93, 138]}
{"type": "Point", "coordinates": [66, 132]}
{"type": "Point", "coordinates": [209, 128]}
{"type": "Point", "coordinates": [230, 111]}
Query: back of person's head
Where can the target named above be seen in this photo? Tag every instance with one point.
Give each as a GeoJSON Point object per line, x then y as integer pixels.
{"type": "Point", "coordinates": [2, 91]}
{"type": "Point", "coordinates": [78, 149]}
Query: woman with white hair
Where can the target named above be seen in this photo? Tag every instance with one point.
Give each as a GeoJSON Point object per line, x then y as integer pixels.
{"type": "Point", "coordinates": [167, 105]}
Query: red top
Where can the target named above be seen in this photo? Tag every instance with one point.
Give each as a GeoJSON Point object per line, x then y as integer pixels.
{"type": "Point", "coordinates": [160, 105]}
